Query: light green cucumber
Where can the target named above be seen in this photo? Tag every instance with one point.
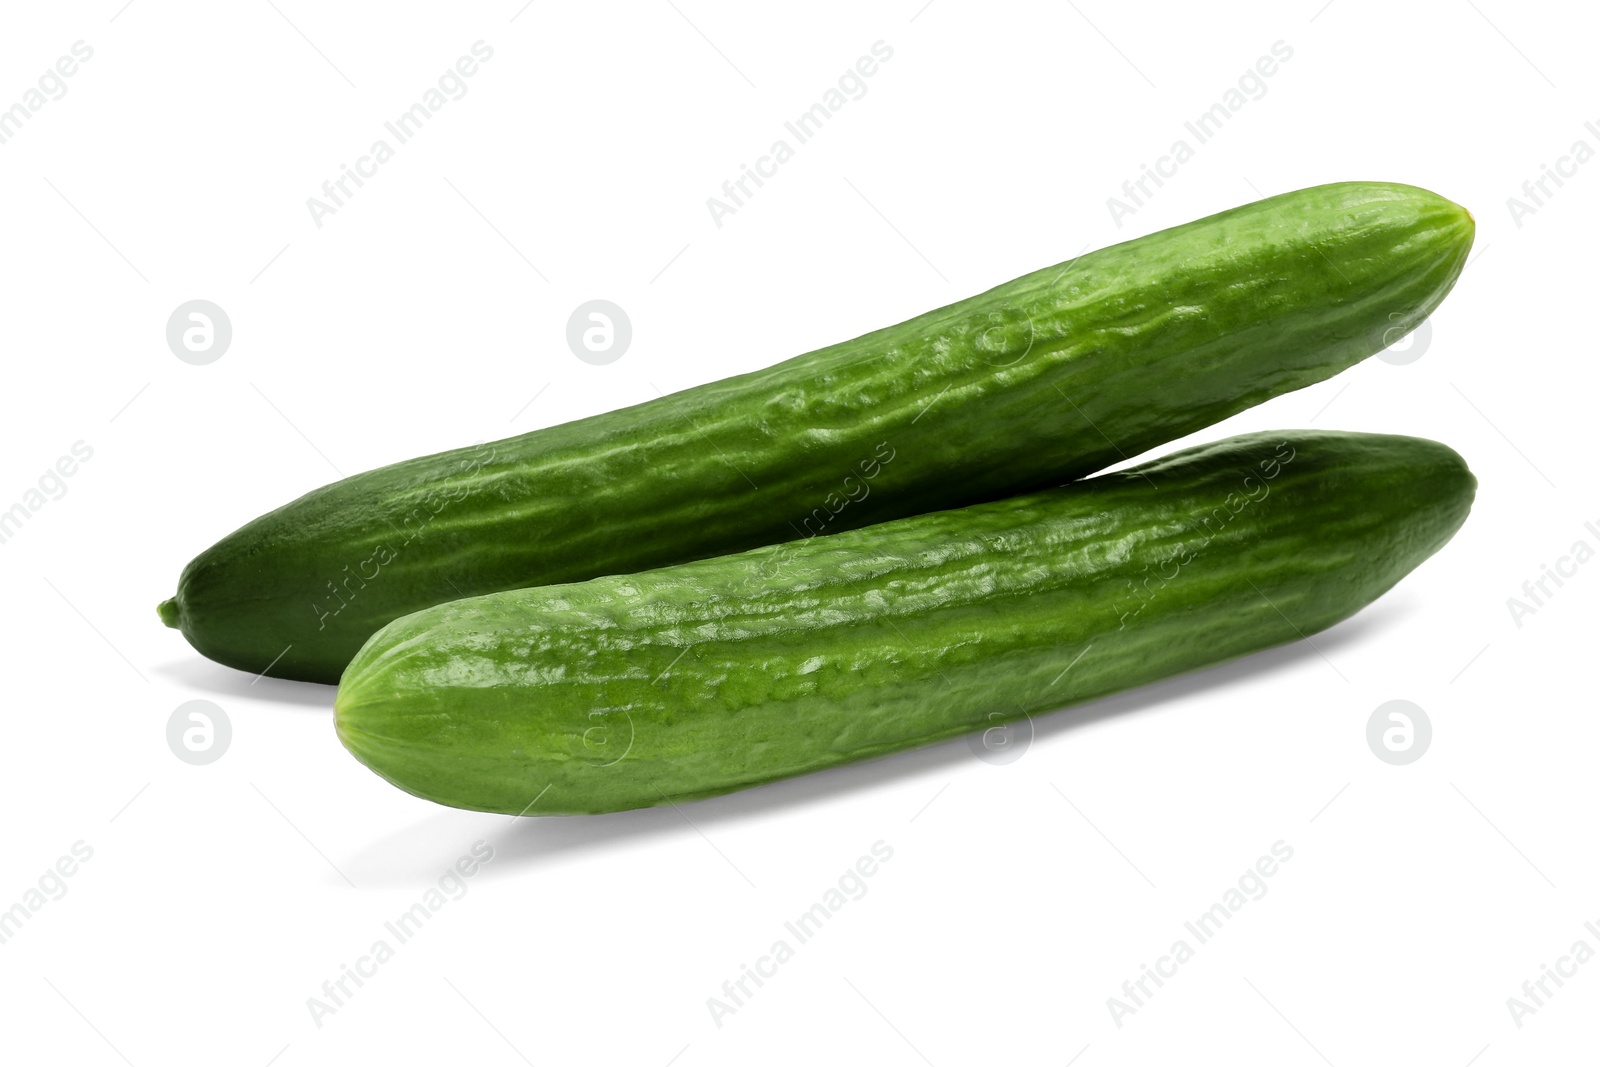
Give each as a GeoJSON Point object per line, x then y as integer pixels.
{"type": "Point", "coordinates": [699, 679]}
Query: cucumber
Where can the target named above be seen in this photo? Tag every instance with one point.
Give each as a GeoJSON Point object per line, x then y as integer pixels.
{"type": "Point", "coordinates": [690, 681]}
{"type": "Point", "coordinates": [1043, 379]}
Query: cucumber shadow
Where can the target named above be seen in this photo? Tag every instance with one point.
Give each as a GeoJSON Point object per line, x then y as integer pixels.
{"type": "Point", "coordinates": [423, 850]}
{"type": "Point", "coordinates": [224, 683]}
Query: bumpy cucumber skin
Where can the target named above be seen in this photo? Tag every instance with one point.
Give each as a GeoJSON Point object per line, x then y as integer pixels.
{"type": "Point", "coordinates": [699, 679]}
{"type": "Point", "coordinates": [1046, 378]}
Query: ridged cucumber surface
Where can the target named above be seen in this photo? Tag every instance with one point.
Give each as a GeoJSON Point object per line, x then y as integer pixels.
{"type": "Point", "coordinates": [1046, 378]}
{"type": "Point", "coordinates": [694, 680]}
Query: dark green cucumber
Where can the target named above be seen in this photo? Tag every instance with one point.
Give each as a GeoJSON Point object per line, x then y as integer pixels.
{"type": "Point", "coordinates": [690, 681]}
{"type": "Point", "coordinates": [1043, 379]}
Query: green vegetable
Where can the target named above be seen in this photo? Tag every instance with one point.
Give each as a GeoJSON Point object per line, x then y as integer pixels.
{"type": "Point", "coordinates": [690, 681]}
{"type": "Point", "coordinates": [1046, 378]}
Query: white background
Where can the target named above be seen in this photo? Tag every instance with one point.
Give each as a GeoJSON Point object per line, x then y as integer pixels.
{"type": "Point", "coordinates": [430, 310]}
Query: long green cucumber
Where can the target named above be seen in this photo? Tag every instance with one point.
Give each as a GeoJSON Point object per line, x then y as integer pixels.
{"type": "Point", "coordinates": [690, 681]}
{"type": "Point", "coordinates": [1046, 378]}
